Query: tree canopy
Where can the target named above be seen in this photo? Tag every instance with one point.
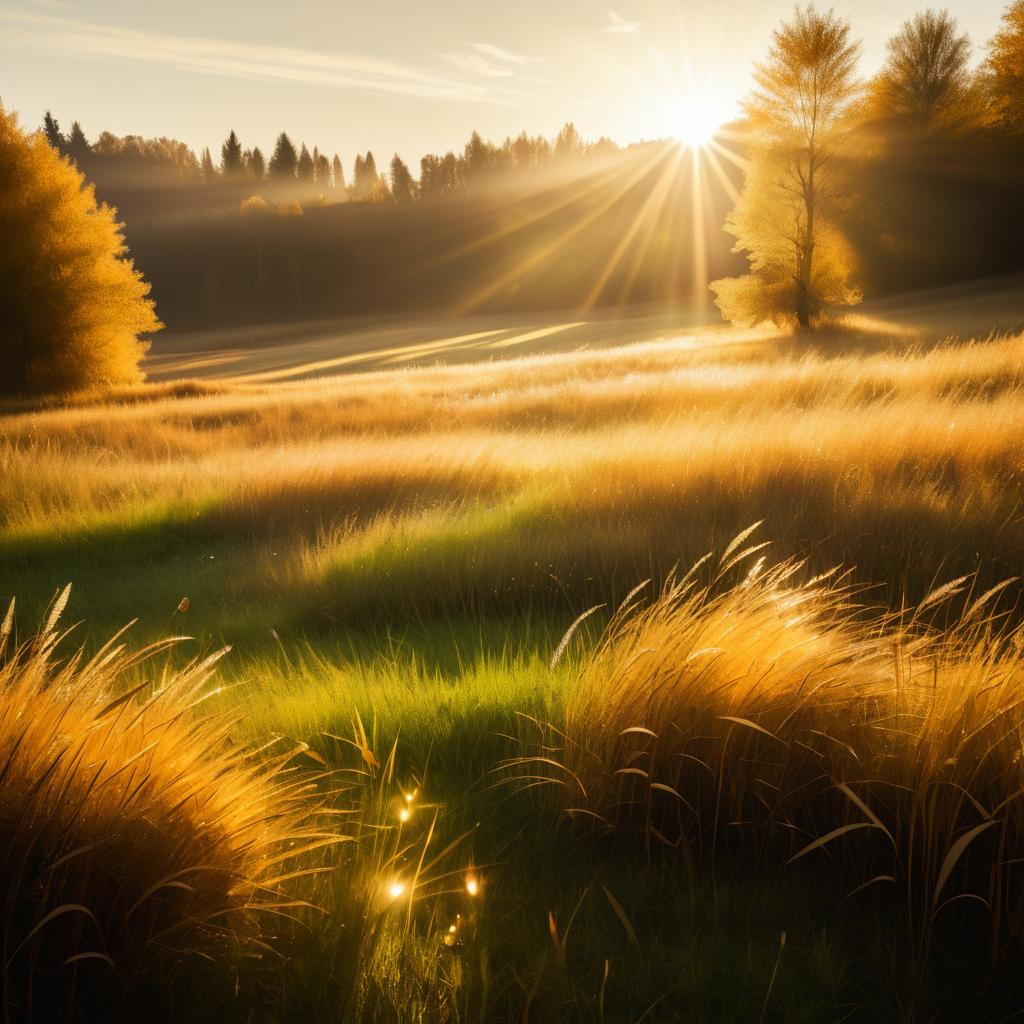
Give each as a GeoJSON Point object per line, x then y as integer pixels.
{"type": "Point", "coordinates": [926, 81]}
{"type": "Point", "coordinates": [72, 306]}
{"type": "Point", "coordinates": [798, 115]}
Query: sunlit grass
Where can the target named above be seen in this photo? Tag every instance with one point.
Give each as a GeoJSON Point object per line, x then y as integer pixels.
{"type": "Point", "coordinates": [406, 549]}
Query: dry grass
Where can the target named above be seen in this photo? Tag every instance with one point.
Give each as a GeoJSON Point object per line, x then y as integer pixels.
{"type": "Point", "coordinates": [773, 719]}
{"type": "Point", "coordinates": [905, 459]}
{"type": "Point", "coordinates": [134, 834]}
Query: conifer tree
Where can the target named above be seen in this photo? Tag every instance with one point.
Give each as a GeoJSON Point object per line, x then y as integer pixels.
{"type": "Point", "coordinates": [78, 147]}
{"type": "Point", "coordinates": [51, 129]}
{"type": "Point", "coordinates": [403, 186]}
{"type": "Point", "coordinates": [304, 168]}
{"type": "Point", "coordinates": [569, 143]}
{"type": "Point", "coordinates": [365, 177]}
{"type": "Point", "coordinates": [208, 171]}
{"type": "Point", "coordinates": [477, 158]}
{"type": "Point", "coordinates": [339, 173]}
{"type": "Point", "coordinates": [321, 169]}
{"type": "Point", "coordinates": [232, 165]}
{"type": "Point", "coordinates": [283, 161]}
{"type": "Point", "coordinates": [256, 165]}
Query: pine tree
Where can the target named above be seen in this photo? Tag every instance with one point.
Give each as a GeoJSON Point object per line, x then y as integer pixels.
{"type": "Point", "coordinates": [77, 144]}
{"type": "Point", "coordinates": [256, 165]}
{"type": "Point", "coordinates": [232, 166]}
{"type": "Point", "coordinates": [430, 176]}
{"type": "Point", "coordinates": [321, 169]}
{"type": "Point", "coordinates": [569, 143]}
{"type": "Point", "coordinates": [403, 186]}
{"type": "Point", "coordinates": [209, 172]}
{"type": "Point", "coordinates": [449, 173]}
{"type": "Point", "coordinates": [79, 327]}
{"type": "Point", "coordinates": [365, 177]}
{"type": "Point", "coordinates": [51, 129]}
{"type": "Point", "coordinates": [305, 168]}
{"type": "Point", "coordinates": [477, 158]}
{"type": "Point", "coordinates": [339, 173]}
{"type": "Point", "coordinates": [283, 161]}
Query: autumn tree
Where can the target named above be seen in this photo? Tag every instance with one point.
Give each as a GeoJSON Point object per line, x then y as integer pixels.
{"type": "Point", "coordinates": [926, 81]}
{"type": "Point", "coordinates": [798, 116]}
{"type": "Point", "coordinates": [72, 306]}
{"type": "Point", "coordinates": [283, 161]}
{"type": "Point", "coordinates": [232, 165]}
{"type": "Point", "coordinates": [1004, 71]}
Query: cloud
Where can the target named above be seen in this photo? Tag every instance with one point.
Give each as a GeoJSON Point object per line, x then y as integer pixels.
{"type": "Point", "coordinates": [490, 61]}
{"type": "Point", "coordinates": [497, 53]}
{"type": "Point", "coordinates": [475, 64]}
{"type": "Point", "coordinates": [220, 57]}
{"type": "Point", "coordinates": [617, 25]}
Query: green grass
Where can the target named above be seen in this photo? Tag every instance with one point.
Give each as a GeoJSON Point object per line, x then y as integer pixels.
{"type": "Point", "coordinates": [408, 549]}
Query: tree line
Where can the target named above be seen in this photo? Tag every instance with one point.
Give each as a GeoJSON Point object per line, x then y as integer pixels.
{"type": "Point", "coordinates": [297, 170]}
{"type": "Point", "coordinates": [914, 174]}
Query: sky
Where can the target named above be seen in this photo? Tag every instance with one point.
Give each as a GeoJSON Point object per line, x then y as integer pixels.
{"type": "Point", "coordinates": [406, 76]}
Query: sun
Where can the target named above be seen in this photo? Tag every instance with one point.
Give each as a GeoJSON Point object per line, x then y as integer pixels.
{"type": "Point", "coordinates": [694, 122]}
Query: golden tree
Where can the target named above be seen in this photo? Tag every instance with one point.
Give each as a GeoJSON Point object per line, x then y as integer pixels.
{"type": "Point", "coordinates": [1004, 69]}
{"type": "Point", "coordinates": [926, 80]}
{"type": "Point", "coordinates": [72, 306]}
{"type": "Point", "coordinates": [798, 117]}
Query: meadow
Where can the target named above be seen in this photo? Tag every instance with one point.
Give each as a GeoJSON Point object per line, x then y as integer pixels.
{"type": "Point", "coordinates": [782, 785]}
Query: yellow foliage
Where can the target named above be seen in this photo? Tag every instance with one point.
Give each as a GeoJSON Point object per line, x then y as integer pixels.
{"type": "Point", "coordinates": [253, 205]}
{"type": "Point", "coordinates": [799, 114]}
{"type": "Point", "coordinates": [1004, 68]}
{"type": "Point", "coordinates": [768, 225]}
{"type": "Point", "coordinates": [73, 306]}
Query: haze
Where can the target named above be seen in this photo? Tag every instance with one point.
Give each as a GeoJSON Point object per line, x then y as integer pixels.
{"type": "Point", "coordinates": [400, 76]}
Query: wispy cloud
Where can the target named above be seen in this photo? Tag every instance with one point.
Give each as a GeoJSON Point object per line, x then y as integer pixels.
{"type": "Point", "coordinates": [497, 53]}
{"type": "Point", "coordinates": [220, 57]}
{"type": "Point", "coordinates": [490, 61]}
{"type": "Point", "coordinates": [617, 25]}
{"type": "Point", "coordinates": [478, 65]}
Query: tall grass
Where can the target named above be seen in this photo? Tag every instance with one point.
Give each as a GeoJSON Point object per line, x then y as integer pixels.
{"type": "Point", "coordinates": [457, 488]}
{"type": "Point", "coordinates": [134, 834]}
{"type": "Point", "coordinates": [775, 718]}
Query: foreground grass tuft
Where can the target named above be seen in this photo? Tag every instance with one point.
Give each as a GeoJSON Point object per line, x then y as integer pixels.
{"type": "Point", "coordinates": [134, 835]}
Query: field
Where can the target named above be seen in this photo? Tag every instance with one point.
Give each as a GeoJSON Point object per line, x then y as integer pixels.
{"type": "Point", "coordinates": [398, 546]}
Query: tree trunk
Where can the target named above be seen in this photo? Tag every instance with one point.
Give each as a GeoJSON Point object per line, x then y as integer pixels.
{"type": "Point", "coordinates": [803, 305]}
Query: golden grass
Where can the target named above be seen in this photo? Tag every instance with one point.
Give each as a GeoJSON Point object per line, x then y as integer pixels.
{"type": "Point", "coordinates": [133, 833]}
{"type": "Point", "coordinates": [890, 449]}
{"type": "Point", "coordinates": [773, 718]}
